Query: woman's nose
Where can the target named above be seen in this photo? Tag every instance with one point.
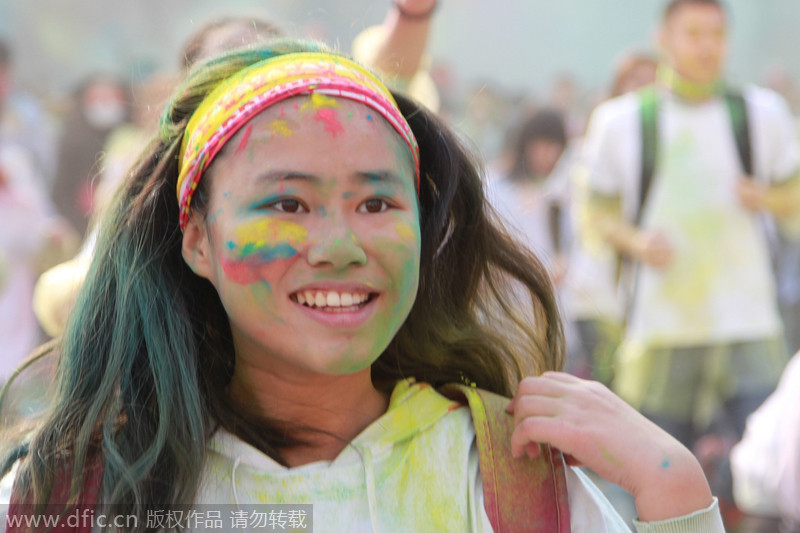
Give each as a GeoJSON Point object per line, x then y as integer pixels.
{"type": "Point", "coordinates": [334, 243]}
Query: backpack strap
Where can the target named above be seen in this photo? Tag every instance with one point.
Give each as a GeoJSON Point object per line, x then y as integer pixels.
{"type": "Point", "coordinates": [519, 494]}
{"type": "Point", "coordinates": [20, 507]}
{"type": "Point", "coordinates": [648, 102]}
{"type": "Point", "coordinates": [737, 108]}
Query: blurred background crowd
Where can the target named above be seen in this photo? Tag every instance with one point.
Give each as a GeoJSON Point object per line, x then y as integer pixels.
{"type": "Point", "coordinates": [82, 84]}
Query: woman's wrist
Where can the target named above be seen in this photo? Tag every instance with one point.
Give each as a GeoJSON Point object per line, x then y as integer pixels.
{"type": "Point", "coordinates": [676, 487]}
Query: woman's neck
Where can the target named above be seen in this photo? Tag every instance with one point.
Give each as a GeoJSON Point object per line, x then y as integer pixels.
{"type": "Point", "coordinates": [328, 411]}
{"type": "Point", "coordinates": [685, 88]}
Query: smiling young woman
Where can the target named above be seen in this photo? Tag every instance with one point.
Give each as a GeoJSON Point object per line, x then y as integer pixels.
{"type": "Point", "coordinates": [294, 267]}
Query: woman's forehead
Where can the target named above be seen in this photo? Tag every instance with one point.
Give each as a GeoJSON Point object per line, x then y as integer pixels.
{"type": "Point", "coordinates": [306, 133]}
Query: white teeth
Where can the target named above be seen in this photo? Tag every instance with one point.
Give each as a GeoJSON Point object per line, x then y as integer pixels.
{"type": "Point", "coordinates": [344, 301]}
{"type": "Point", "coordinates": [333, 299]}
{"type": "Point", "coordinates": [320, 300]}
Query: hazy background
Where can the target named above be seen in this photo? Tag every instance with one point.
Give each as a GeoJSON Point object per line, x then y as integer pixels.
{"type": "Point", "coordinates": [516, 44]}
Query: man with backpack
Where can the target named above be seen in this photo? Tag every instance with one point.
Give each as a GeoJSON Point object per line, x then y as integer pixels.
{"type": "Point", "coordinates": [679, 176]}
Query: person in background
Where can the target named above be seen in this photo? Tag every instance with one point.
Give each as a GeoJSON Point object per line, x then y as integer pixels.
{"type": "Point", "coordinates": [525, 193]}
{"type": "Point", "coordinates": [766, 462]}
{"type": "Point", "coordinates": [101, 103]}
{"type": "Point", "coordinates": [24, 121]}
{"type": "Point", "coordinates": [635, 70]}
{"type": "Point", "coordinates": [703, 341]}
{"type": "Point", "coordinates": [31, 235]}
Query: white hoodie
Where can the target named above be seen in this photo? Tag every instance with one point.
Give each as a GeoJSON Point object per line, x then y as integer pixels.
{"type": "Point", "coordinates": [414, 469]}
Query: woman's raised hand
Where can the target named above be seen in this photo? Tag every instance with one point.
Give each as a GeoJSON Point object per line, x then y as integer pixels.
{"type": "Point", "coordinates": [596, 428]}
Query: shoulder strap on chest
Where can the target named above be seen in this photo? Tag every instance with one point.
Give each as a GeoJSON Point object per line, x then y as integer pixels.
{"type": "Point", "coordinates": [519, 494]}
{"type": "Point", "coordinates": [648, 105]}
{"type": "Point", "coordinates": [737, 108]}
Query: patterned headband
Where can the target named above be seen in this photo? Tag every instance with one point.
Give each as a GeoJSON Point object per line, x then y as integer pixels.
{"type": "Point", "coordinates": [237, 100]}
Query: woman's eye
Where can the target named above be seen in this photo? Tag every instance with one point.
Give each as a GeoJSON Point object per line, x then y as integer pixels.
{"type": "Point", "coordinates": [288, 205]}
{"type": "Point", "coordinates": [374, 205]}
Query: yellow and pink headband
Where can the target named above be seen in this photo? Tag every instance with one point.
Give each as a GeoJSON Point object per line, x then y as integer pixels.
{"type": "Point", "coordinates": [237, 100]}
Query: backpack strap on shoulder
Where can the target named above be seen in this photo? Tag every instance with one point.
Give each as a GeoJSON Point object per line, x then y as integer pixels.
{"type": "Point", "coordinates": [59, 498]}
{"type": "Point", "coordinates": [519, 494]}
{"type": "Point", "coordinates": [737, 108]}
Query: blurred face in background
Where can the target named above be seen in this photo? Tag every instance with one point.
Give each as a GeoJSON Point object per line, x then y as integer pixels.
{"type": "Point", "coordinates": [104, 104]}
{"type": "Point", "coordinates": [694, 41]}
{"type": "Point", "coordinates": [541, 156]}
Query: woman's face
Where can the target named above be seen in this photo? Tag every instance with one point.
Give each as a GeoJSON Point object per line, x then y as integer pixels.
{"type": "Point", "coordinates": [311, 236]}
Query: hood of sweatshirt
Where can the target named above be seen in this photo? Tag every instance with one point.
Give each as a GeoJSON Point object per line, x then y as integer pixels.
{"type": "Point", "coordinates": [403, 461]}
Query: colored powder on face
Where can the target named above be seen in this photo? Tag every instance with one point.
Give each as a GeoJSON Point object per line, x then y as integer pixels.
{"type": "Point", "coordinates": [405, 231]}
{"type": "Point", "coordinates": [261, 235]}
{"type": "Point", "coordinates": [665, 463]}
{"type": "Point", "coordinates": [248, 272]}
{"type": "Point", "coordinates": [245, 139]}
{"type": "Point", "coordinates": [261, 249]}
{"type": "Point", "coordinates": [329, 120]}
{"type": "Point", "coordinates": [319, 101]}
{"type": "Point", "coordinates": [369, 117]}
{"type": "Point", "coordinates": [347, 195]}
{"type": "Point", "coordinates": [280, 127]}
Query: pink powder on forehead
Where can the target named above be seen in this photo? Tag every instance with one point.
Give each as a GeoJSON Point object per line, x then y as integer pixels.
{"type": "Point", "coordinates": [245, 139]}
{"type": "Point", "coordinates": [330, 121]}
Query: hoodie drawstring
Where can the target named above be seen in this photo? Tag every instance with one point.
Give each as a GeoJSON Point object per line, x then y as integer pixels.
{"type": "Point", "coordinates": [369, 477]}
{"type": "Point", "coordinates": [233, 480]}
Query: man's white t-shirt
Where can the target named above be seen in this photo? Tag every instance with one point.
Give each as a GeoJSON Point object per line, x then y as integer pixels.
{"type": "Point", "coordinates": [719, 286]}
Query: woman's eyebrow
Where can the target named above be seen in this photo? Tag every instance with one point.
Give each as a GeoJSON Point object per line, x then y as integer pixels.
{"type": "Point", "coordinates": [383, 176]}
{"type": "Point", "coordinates": [286, 175]}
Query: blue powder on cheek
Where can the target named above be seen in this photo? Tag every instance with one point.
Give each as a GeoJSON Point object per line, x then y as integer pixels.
{"type": "Point", "coordinates": [268, 253]}
{"type": "Point", "coordinates": [369, 117]}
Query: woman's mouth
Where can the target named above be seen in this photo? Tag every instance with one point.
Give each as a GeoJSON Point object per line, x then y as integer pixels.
{"type": "Point", "coordinates": [332, 301]}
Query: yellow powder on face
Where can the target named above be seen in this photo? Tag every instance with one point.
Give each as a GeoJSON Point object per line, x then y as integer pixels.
{"type": "Point", "coordinates": [280, 127]}
{"type": "Point", "coordinates": [319, 101]}
{"type": "Point", "coordinates": [405, 231]}
{"type": "Point", "coordinates": [267, 233]}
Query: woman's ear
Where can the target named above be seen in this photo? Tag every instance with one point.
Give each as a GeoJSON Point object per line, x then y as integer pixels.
{"type": "Point", "coordinates": [196, 247]}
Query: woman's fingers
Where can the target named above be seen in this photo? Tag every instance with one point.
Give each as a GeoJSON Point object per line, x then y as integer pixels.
{"type": "Point", "coordinates": [536, 429]}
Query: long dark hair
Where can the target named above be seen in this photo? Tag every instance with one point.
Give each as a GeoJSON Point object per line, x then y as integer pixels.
{"type": "Point", "coordinates": [147, 354]}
